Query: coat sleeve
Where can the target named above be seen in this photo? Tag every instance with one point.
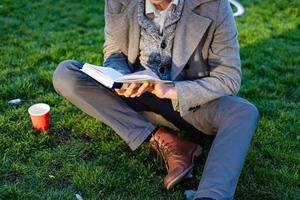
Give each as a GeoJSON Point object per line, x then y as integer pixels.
{"type": "Point", "coordinates": [113, 56]}
{"type": "Point", "coordinates": [224, 63]}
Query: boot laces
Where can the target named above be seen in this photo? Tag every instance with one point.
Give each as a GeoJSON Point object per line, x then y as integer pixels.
{"type": "Point", "coordinates": [165, 150]}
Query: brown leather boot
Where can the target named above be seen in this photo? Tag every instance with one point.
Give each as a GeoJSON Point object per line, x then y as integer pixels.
{"type": "Point", "coordinates": [178, 155]}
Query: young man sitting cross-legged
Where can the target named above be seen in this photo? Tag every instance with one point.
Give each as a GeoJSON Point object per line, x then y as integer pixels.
{"type": "Point", "coordinates": [193, 43]}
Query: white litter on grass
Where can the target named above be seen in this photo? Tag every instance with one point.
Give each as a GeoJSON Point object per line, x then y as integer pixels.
{"type": "Point", "coordinates": [51, 176]}
{"type": "Point", "coordinates": [78, 197]}
{"type": "Point", "coordinates": [15, 102]}
{"type": "Point", "coordinates": [239, 8]}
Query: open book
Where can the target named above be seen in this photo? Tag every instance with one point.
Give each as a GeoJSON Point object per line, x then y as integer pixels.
{"type": "Point", "coordinates": [111, 78]}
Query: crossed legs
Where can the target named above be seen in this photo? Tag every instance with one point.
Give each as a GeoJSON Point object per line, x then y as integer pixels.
{"type": "Point", "coordinates": [101, 103]}
{"type": "Point", "coordinates": [231, 118]}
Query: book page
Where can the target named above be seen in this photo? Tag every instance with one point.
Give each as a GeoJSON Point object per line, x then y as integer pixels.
{"type": "Point", "coordinates": [104, 75]}
{"type": "Point", "coordinates": [106, 71]}
{"type": "Point", "coordinates": [139, 77]}
{"type": "Point", "coordinates": [108, 76]}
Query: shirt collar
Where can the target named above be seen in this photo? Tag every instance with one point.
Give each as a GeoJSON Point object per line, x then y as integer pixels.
{"type": "Point", "coordinates": [151, 10]}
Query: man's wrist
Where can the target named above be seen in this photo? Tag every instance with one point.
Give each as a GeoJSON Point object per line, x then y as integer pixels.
{"type": "Point", "coordinates": [172, 92]}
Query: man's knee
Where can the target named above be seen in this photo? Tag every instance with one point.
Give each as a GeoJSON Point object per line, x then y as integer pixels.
{"type": "Point", "coordinates": [239, 112]}
{"type": "Point", "coordinates": [241, 108]}
{"type": "Point", "coordinates": [251, 111]}
{"type": "Point", "coordinates": [65, 75]}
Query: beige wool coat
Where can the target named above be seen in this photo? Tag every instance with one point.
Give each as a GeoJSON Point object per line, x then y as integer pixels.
{"type": "Point", "coordinates": [205, 55]}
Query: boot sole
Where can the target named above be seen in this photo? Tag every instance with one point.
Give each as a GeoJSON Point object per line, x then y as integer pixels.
{"type": "Point", "coordinates": [197, 152]}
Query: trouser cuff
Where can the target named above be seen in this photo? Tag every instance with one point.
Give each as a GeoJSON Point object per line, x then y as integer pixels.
{"type": "Point", "coordinates": [141, 137]}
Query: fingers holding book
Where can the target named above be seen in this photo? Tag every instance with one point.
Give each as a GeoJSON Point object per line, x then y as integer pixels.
{"type": "Point", "coordinates": [135, 89]}
{"type": "Point", "coordinates": [161, 90]}
{"type": "Point", "coordinates": [145, 87]}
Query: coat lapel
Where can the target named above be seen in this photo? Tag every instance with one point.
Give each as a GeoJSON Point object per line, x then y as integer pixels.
{"type": "Point", "coordinates": [134, 32]}
{"type": "Point", "coordinates": [189, 32]}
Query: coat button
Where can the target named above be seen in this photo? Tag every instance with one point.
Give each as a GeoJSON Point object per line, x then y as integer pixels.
{"type": "Point", "coordinates": [163, 45]}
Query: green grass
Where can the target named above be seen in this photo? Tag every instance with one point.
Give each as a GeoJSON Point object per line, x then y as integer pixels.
{"type": "Point", "coordinates": [86, 157]}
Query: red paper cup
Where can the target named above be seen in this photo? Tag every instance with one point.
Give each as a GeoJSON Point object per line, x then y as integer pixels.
{"type": "Point", "coordinates": [40, 116]}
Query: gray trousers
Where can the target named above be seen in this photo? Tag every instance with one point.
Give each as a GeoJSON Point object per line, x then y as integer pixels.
{"type": "Point", "coordinates": [232, 119]}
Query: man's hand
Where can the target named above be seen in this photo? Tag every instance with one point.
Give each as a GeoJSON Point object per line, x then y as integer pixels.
{"type": "Point", "coordinates": [161, 90]}
{"type": "Point", "coordinates": [135, 89]}
{"type": "Point", "coordinates": [165, 90]}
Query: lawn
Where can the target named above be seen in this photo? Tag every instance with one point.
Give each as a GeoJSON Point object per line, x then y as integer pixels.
{"type": "Point", "coordinates": [80, 155]}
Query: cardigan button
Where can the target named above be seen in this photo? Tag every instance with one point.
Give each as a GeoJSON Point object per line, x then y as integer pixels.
{"type": "Point", "coordinates": [161, 70]}
{"type": "Point", "coordinates": [163, 45]}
